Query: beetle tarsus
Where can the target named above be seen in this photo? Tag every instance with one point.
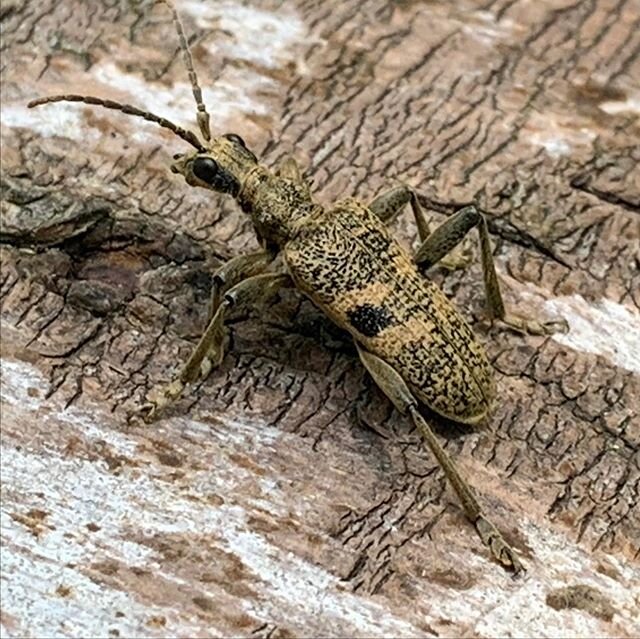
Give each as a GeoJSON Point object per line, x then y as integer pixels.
{"type": "Point", "coordinates": [500, 549]}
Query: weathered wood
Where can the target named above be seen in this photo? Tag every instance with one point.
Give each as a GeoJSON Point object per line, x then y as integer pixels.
{"type": "Point", "coordinates": [264, 505]}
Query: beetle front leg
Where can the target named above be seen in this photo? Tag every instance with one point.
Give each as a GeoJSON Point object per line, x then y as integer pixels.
{"type": "Point", "coordinates": [395, 388]}
{"type": "Point", "coordinates": [234, 271]}
{"type": "Point", "coordinates": [448, 235]}
{"type": "Point", "coordinates": [209, 352]}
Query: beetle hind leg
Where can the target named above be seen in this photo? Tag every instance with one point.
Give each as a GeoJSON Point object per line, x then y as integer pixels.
{"type": "Point", "coordinates": [395, 388]}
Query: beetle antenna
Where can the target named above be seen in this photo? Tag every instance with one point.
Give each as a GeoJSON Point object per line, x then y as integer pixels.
{"type": "Point", "coordinates": [202, 115]}
{"type": "Point", "coordinates": [187, 136]}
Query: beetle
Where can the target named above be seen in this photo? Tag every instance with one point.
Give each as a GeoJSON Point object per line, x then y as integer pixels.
{"type": "Point", "coordinates": [413, 342]}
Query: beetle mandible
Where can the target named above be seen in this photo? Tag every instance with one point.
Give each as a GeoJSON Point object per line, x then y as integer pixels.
{"type": "Point", "coordinates": [410, 338]}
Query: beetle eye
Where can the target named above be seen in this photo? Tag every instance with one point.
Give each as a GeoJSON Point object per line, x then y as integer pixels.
{"type": "Point", "coordinates": [205, 169]}
{"type": "Point", "coordinates": [234, 137]}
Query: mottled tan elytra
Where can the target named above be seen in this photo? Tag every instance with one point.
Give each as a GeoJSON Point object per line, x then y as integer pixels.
{"type": "Point", "coordinates": [410, 338]}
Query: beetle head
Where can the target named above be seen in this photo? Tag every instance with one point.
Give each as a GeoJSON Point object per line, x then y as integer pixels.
{"type": "Point", "coordinates": [219, 164]}
{"type": "Point", "coordinates": [222, 167]}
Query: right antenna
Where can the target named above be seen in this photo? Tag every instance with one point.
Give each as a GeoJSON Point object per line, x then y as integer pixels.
{"type": "Point", "coordinates": [202, 115]}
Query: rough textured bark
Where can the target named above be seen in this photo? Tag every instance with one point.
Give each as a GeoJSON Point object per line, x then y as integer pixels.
{"type": "Point", "coordinates": [284, 496]}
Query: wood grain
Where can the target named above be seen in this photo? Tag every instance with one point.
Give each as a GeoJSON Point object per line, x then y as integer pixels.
{"type": "Point", "coordinates": [284, 496]}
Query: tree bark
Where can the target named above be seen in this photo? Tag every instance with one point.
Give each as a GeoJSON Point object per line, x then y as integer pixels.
{"type": "Point", "coordinates": [283, 496]}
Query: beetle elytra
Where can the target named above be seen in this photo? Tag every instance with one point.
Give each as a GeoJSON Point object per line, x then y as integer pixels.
{"type": "Point", "coordinates": [409, 336]}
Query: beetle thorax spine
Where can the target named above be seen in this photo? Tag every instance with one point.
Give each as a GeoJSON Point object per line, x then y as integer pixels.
{"type": "Point", "coordinates": [277, 206]}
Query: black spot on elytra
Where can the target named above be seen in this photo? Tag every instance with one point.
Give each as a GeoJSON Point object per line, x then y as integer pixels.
{"type": "Point", "coordinates": [369, 319]}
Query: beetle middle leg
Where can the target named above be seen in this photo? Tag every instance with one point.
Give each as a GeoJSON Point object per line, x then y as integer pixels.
{"type": "Point", "coordinates": [448, 235]}
{"type": "Point", "coordinates": [209, 352]}
{"type": "Point", "coordinates": [388, 205]}
{"type": "Point", "coordinates": [437, 244]}
{"type": "Point", "coordinates": [395, 388]}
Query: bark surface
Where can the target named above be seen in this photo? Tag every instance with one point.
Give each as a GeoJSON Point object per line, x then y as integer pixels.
{"type": "Point", "coordinates": [283, 496]}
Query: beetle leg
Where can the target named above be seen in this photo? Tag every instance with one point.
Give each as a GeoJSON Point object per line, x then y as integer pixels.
{"type": "Point", "coordinates": [387, 207]}
{"type": "Point", "coordinates": [234, 271]}
{"type": "Point", "coordinates": [209, 352]}
{"type": "Point", "coordinates": [448, 235]}
{"type": "Point", "coordinates": [395, 388]}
